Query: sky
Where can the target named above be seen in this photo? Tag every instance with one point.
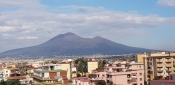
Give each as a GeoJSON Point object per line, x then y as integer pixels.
{"type": "Point", "coordinates": [137, 23]}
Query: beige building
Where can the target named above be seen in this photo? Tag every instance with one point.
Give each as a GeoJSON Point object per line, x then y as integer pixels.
{"type": "Point", "coordinates": [157, 64]}
{"type": "Point", "coordinates": [140, 58]}
{"type": "Point", "coordinates": [92, 65]}
{"type": "Point", "coordinates": [67, 66]}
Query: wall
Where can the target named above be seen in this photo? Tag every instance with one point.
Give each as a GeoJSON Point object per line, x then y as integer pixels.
{"type": "Point", "coordinates": [46, 75]}
{"type": "Point", "coordinates": [92, 65]}
{"type": "Point", "coordinates": [120, 80]}
{"type": "Point", "coordinates": [140, 58]}
{"type": "Point", "coordinates": [52, 74]}
{"type": "Point", "coordinates": [66, 66]}
{"type": "Point", "coordinates": [140, 77]}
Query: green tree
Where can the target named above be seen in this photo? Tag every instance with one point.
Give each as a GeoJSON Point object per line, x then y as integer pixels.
{"type": "Point", "coordinates": [81, 65]}
{"type": "Point", "coordinates": [92, 76]}
{"type": "Point", "coordinates": [145, 83]}
{"type": "Point", "coordinates": [101, 82]}
{"type": "Point", "coordinates": [101, 64]}
{"type": "Point", "coordinates": [157, 77]}
{"type": "Point", "coordinates": [10, 82]}
{"type": "Point", "coordinates": [2, 82]}
{"type": "Point", "coordinates": [78, 75]}
{"type": "Point", "coordinates": [54, 61]}
{"type": "Point", "coordinates": [110, 83]}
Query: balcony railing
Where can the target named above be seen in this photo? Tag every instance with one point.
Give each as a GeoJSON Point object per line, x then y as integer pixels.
{"type": "Point", "coordinates": [150, 72]}
{"type": "Point", "coordinates": [134, 80]}
{"type": "Point", "coordinates": [168, 57]}
{"type": "Point", "coordinates": [168, 61]}
{"type": "Point", "coordinates": [159, 71]}
{"type": "Point", "coordinates": [159, 60]}
{"type": "Point", "coordinates": [159, 65]}
{"type": "Point", "coordinates": [168, 65]}
{"type": "Point", "coordinates": [43, 78]}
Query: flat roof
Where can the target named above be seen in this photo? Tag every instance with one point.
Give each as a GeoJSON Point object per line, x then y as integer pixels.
{"type": "Point", "coordinates": [43, 71]}
{"type": "Point", "coordinates": [47, 83]}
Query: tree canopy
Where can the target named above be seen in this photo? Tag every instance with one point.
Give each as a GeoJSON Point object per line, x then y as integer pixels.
{"type": "Point", "coordinates": [10, 82]}
{"type": "Point", "coordinates": [101, 82]}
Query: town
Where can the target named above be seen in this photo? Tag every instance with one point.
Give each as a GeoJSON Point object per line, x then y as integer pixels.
{"type": "Point", "coordinates": [154, 68]}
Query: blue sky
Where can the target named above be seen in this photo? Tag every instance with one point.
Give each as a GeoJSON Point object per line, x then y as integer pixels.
{"type": "Point", "coordinates": [138, 23]}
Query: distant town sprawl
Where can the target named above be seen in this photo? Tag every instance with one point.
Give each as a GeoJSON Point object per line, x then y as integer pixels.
{"type": "Point", "coordinates": [154, 68]}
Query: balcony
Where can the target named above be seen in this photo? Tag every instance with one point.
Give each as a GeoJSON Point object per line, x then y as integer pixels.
{"type": "Point", "coordinates": [168, 65]}
{"type": "Point", "coordinates": [159, 71]}
{"type": "Point", "coordinates": [168, 61]}
{"type": "Point", "coordinates": [159, 65]}
{"type": "Point", "coordinates": [150, 72]}
{"type": "Point", "coordinates": [116, 73]}
{"type": "Point", "coordinates": [42, 78]}
{"type": "Point", "coordinates": [168, 57]}
{"type": "Point", "coordinates": [168, 71]}
{"type": "Point", "coordinates": [134, 80]}
{"type": "Point", "coordinates": [110, 79]}
{"type": "Point", "coordinates": [159, 60]}
{"type": "Point", "coordinates": [150, 69]}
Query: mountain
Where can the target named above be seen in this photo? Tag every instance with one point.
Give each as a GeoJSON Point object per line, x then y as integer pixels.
{"type": "Point", "coordinates": [72, 44]}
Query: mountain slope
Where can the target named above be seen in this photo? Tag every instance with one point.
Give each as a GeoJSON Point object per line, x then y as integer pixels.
{"type": "Point", "coordinates": [71, 44]}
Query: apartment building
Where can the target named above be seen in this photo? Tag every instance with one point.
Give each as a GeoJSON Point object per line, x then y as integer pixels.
{"type": "Point", "coordinates": [80, 81]}
{"type": "Point", "coordinates": [157, 64]}
{"type": "Point", "coordinates": [50, 73]}
{"type": "Point", "coordinates": [120, 75]}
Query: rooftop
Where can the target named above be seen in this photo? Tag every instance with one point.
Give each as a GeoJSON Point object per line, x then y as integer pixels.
{"type": "Point", "coordinates": [43, 71]}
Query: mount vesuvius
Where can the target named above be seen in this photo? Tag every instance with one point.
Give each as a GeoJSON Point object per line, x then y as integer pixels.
{"type": "Point", "coordinates": [72, 44]}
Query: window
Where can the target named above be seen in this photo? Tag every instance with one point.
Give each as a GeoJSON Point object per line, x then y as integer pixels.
{"type": "Point", "coordinates": [140, 79]}
{"type": "Point", "coordinates": [140, 74]}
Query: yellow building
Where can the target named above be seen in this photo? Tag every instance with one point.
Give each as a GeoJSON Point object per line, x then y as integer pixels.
{"type": "Point", "coordinates": [140, 58]}
{"type": "Point", "coordinates": [158, 64]}
{"type": "Point", "coordinates": [67, 66]}
{"type": "Point", "coordinates": [92, 65]}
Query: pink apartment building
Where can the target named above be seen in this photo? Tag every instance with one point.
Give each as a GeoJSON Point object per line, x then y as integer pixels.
{"type": "Point", "coordinates": [120, 75]}
{"type": "Point", "coordinates": [80, 81]}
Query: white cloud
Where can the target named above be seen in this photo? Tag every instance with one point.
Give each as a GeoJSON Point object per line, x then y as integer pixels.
{"type": "Point", "coordinates": [20, 4]}
{"type": "Point", "coordinates": [30, 38]}
{"type": "Point", "coordinates": [6, 29]}
{"type": "Point", "coordinates": [170, 3]}
{"type": "Point", "coordinates": [81, 20]}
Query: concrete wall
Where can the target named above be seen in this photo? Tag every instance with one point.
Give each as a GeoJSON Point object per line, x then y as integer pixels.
{"type": "Point", "coordinates": [66, 66]}
{"type": "Point", "coordinates": [120, 79]}
{"type": "Point", "coordinates": [46, 75]}
{"type": "Point", "coordinates": [92, 65]}
{"type": "Point", "coordinates": [140, 58]}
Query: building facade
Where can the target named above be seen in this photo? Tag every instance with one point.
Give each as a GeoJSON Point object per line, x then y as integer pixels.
{"type": "Point", "coordinates": [157, 64]}
{"type": "Point", "coordinates": [92, 65]}
{"type": "Point", "coordinates": [120, 74]}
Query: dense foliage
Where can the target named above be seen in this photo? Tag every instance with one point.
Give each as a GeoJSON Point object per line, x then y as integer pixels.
{"type": "Point", "coordinates": [81, 65]}
{"type": "Point", "coordinates": [10, 82]}
{"type": "Point", "coordinates": [101, 82]}
{"type": "Point", "coordinates": [101, 64]}
{"type": "Point", "coordinates": [157, 77]}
